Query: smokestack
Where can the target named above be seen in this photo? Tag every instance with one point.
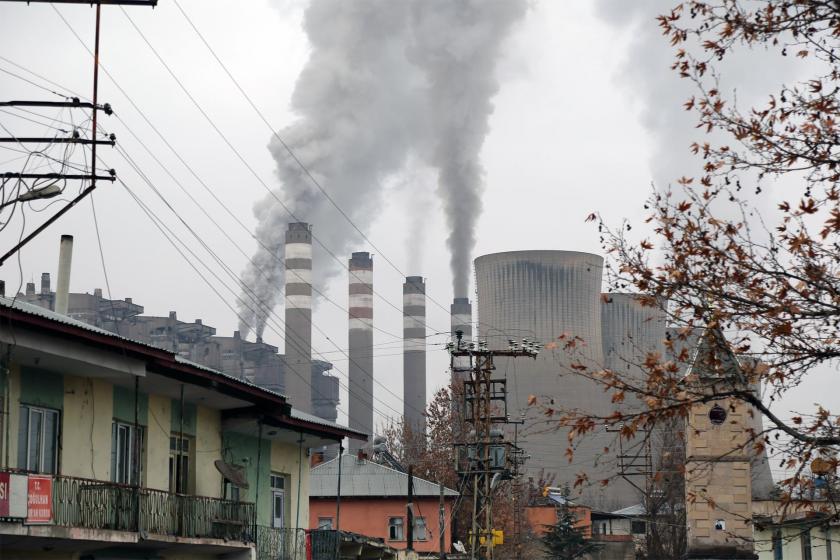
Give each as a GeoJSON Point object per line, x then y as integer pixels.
{"type": "Point", "coordinates": [461, 321]}
{"type": "Point", "coordinates": [30, 288]}
{"type": "Point", "coordinates": [298, 370]}
{"type": "Point", "coordinates": [360, 370]}
{"type": "Point", "coordinates": [62, 288]}
{"type": "Point", "coordinates": [45, 283]}
{"type": "Point", "coordinates": [414, 352]}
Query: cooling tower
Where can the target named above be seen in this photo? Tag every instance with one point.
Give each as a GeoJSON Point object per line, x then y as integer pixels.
{"type": "Point", "coordinates": [298, 258]}
{"type": "Point", "coordinates": [360, 336]}
{"type": "Point", "coordinates": [630, 332]}
{"type": "Point", "coordinates": [414, 352]}
{"type": "Point", "coordinates": [552, 297]}
{"type": "Point", "coordinates": [461, 321]}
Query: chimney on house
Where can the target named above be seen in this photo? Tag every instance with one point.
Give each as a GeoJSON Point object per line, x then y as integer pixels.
{"type": "Point", "coordinates": [62, 288]}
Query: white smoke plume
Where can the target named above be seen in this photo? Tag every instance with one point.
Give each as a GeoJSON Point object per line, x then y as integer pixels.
{"type": "Point", "coordinates": [386, 79]}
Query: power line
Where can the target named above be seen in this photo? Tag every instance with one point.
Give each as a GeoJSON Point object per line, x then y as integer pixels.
{"type": "Point", "coordinates": [239, 155]}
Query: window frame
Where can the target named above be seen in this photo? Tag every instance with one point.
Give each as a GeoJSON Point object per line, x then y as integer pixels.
{"type": "Point", "coordinates": [132, 431]}
{"type": "Point", "coordinates": [176, 452]}
{"type": "Point", "coordinates": [24, 455]}
{"type": "Point", "coordinates": [777, 547]}
{"type": "Point", "coordinates": [277, 484]}
{"type": "Point", "coordinates": [805, 540]}
{"type": "Point", "coordinates": [420, 521]}
{"type": "Point", "coordinates": [392, 525]}
{"type": "Point", "coordinates": [325, 527]}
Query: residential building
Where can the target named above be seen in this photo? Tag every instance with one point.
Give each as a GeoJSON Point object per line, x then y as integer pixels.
{"type": "Point", "coordinates": [796, 531]}
{"type": "Point", "coordinates": [257, 362]}
{"type": "Point", "coordinates": [373, 503]}
{"type": "Point", "coordinates": [114, 448]}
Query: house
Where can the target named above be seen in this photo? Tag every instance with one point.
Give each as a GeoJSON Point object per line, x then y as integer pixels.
{"type": "Point", "coordinates": [373, 503]}
{"type": "Point", "coordinates": [113, 448]}
{"type": "Point", "coordinates": [796, 531]}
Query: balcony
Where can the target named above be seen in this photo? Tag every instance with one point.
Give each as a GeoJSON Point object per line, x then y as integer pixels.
{"type": "Point", "coordinates": [93, 504]}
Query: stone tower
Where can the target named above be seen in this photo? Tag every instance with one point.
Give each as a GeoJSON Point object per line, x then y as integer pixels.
{"type": "Point", "coordinates": [718, 478]}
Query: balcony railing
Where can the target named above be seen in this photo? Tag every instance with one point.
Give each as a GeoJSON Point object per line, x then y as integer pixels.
{"type": "Point", "coordinates": [281, 544]}
{"type": "Point", "coordinates": [93, 504]}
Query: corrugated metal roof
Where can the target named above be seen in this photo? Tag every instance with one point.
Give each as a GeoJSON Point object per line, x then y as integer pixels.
{"type": "Point", "coordinates": [365, 478]}
{"type": "Point", "coordinates": [306, 417]}
{"type": "Point", "coordinates": [39, 311]}
{"type": "Point", "coordinates": [637, 510]}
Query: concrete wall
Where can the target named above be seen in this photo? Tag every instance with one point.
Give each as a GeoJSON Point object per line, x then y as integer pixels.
{"type": "Point", "coordinates": [208, 447]}
{"type": "Point", "coordinates": [369, 517]}
{"type": "Point", "coordinates": [291, 461]}
{"type": "Point", "coordinates": [88, 404]}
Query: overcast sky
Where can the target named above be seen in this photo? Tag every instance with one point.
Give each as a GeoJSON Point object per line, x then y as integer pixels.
{"type": "Point", "coordinates": [586, 118]}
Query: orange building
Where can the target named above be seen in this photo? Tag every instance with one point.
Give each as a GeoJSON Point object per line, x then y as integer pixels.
{"type": "Point", "coordinates": [373, 503]}
{"type": "Point", "coordinates": [543, 514]}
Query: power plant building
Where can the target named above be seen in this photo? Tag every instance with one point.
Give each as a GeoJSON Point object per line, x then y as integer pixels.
{"type": "Point", "coordinates": [554, 298]}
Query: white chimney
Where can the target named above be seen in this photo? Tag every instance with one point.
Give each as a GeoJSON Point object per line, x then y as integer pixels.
{"type": "Point", "coordinates": [62, 289]}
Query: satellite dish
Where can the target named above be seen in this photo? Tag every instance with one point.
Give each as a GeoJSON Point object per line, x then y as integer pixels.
{"type": "Point", "coordinates": [821, 466]}
{"type": "Point", "coordinates": [234, 474]}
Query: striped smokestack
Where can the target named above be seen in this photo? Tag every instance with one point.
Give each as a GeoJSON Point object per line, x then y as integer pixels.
{"type": "Point", "coordinates": [299, 316]}
{"type": "Point", "coordinates": [461, 317]}
{"type": "Point", "coordinates": [414, 352]}
{"type": "Point", "coordinates": [360, 369]}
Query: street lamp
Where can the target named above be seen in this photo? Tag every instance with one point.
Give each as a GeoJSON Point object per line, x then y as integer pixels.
{"type": "Point", "coordinates": [48, 191]}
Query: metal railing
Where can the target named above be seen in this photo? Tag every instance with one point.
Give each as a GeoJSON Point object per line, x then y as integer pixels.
{"type": "Point", "coordinates": [93, 504]}
{"type": "Point", "coordinates": [281, 544]}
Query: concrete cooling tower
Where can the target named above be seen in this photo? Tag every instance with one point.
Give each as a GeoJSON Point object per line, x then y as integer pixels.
{"type": "Point", "coordinates": [543, 295]}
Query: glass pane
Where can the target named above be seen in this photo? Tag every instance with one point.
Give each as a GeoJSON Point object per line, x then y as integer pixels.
{"type": "Point", "coordinates": [36, 421]}
{"type": "Point", "coordinates": [23, 438]}
{"type": "Point", "coordinates": [50, 441]}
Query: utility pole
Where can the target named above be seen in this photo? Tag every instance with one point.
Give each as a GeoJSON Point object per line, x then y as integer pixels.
{"type": "Point", "coordinates": [486, 458]}
{"type": "Point", "coordinates": [34, 191]}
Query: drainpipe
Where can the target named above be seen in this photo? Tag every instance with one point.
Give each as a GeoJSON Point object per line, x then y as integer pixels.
{"type": "Point", "coordinates": [338, 503]}
{"type": "Point", "coordinates": [409, 510]}
{"type": "Point", "coordinates": [62, 289]}
{"type": "Point", "coordinates": [136, 469]}
{"type": "Point", "coordinates": [300, 472]}
{"type": "Point", "coordinates": [257, 489]}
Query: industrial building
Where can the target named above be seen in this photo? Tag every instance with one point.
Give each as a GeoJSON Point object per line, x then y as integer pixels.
{"type": "Point", "coordinates": [553, 298]}
{"type": "Point", "coordinates": [256, 362]}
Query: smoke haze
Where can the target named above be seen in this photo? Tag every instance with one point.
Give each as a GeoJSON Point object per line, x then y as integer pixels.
{"type": "Point", "coordinates": [386, 79]}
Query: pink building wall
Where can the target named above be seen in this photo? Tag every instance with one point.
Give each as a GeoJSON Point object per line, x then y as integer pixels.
{"type": "Point", "coordinates": [369, 516]}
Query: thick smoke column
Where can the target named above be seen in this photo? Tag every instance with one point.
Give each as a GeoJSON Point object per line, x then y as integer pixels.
{"type": "Point", "coordinates": [457, 44]}
{"type": "Point", "coordinates": [386, 79]}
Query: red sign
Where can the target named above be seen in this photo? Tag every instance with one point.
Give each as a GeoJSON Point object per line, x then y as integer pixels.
{"type": "Point", "coordinates": [39, 499]}
{"type": "Point", "coordinates": [5, 494]}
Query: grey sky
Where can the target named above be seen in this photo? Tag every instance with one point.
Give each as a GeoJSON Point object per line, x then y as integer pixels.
{"type": "Point", "coordinates": [572, 132]}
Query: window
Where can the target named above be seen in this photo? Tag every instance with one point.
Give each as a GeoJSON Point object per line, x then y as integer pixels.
{"type": "Point", "coordinates": [395, 529]}
{"type": "Point", "coordinates": [231, 491]}
{"type": "Point", "coordinates": [420, 533]}
{"type": "Point", "coordinates": [127, 450]}
{"type": "Point", "coordinates": [325, 523]}
{"type": "Point", "coordinates": [38, 439]}
{"type": "Point", "coordinates": [777, 544]}
{"type": "Point", "coordinates": [180, 476]}
{"type": "Point", "coordinates": [806, 544]}
{"type": "Point", "coordinates": [278, 500]}
{"type": "Point", "coordinates": [638, 527]}
{"type": "Point", "coordinates": [827, 531]}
